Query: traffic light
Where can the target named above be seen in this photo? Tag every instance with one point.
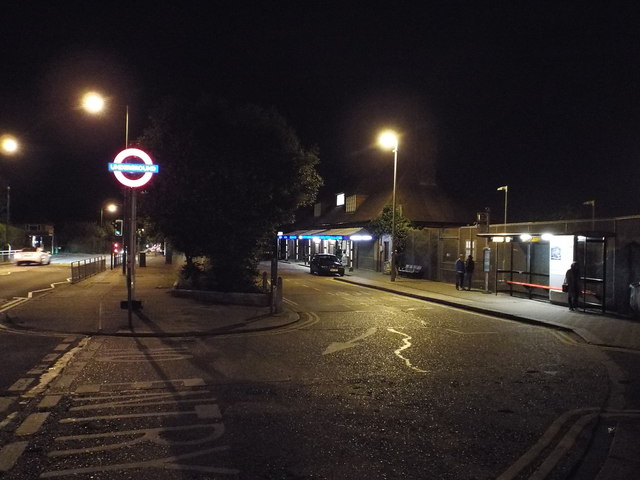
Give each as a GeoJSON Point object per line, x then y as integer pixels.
{"type": "Point", "coordinates": [115, 248]}
{"type": "Point", "coordinates": [117, 228]}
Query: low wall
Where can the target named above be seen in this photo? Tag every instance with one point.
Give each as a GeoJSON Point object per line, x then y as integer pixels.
{"type": "Point", "coordinates": [224, 298]}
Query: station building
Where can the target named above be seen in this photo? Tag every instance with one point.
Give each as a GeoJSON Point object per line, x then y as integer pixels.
{"type": "Point", "coordinates": [527, 260]}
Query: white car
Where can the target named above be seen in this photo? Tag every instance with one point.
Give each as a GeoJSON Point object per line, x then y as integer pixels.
{"type": "Point", "coordinates": [32, 255]}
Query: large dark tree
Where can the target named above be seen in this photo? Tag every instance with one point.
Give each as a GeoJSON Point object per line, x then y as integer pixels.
{"type": "Point", "coordinates": [229, 176]}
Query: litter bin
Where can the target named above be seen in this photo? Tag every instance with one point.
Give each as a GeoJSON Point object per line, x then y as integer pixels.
{"type": "Point", "coordinates": [142, 261]}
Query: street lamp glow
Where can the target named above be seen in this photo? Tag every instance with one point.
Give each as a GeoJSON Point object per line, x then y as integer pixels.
{"type": "Point", "coordinates": [505, 189]}
{"type": "Point", "coordinates": [9, 144]}
{"type": "Point", "coordinates": [112, 207]}
{"type": "Point", "coordinates": [93, 102]}
{"type": "Point", "coordinates": [388, 140]}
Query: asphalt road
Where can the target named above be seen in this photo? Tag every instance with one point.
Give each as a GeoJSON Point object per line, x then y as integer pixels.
{"type": "Point", "coordinates": [20, 281]}
{"type": "Point", "coordinates": [367, 385]}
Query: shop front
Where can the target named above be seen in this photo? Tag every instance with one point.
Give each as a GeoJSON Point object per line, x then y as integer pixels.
{"type": "Point", "coordinates": [300, 245]}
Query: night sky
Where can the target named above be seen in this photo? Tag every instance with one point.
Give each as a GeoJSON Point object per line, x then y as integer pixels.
{"type": "Point", "coordinates": [542, 96]}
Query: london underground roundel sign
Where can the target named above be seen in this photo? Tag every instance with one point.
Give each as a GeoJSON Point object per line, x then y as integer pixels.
{"type": "Point", "coordinates": [120, 169]}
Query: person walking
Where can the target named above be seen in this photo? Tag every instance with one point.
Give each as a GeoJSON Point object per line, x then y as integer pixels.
{"type": "Point", "coordinates": [572, 279]}
{"type": "Point", "coordinates": [469, 266]}
{"type": "Point", "coordinates": [460, 272]}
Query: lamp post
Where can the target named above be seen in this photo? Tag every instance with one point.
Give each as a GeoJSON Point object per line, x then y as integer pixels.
{"type": "Point", "coordinates": [94, 103]}
{"type": "Point", "coordinates": [110, 207]}
{"type": "Point", "coordinates": [389, 140]}
{"type": "Point", "coordinates": [593, 212]}
{"type": "Point", "coordinates": [505, 189]}
{"type": "Point", "coordinates": [9, 145]}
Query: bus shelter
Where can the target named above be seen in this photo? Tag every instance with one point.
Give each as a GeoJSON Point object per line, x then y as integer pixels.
{"type": "Point", "coordinates": [535, 265]}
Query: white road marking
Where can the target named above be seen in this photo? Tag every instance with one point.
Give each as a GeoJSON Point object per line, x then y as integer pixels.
{"type": "Point", "coordinates": [470, 333]}
{"type": "Point", "coordinates": [10, 454]}
{"type": "Point", "coordinates": [135, 356]}
{"type": "Point", "coordinates": [32, 424]}
{"type": "Point", "coordinates": [201, 411]}
{"type": "Point", "coordinates": [147, 385]}
{"type": "Point", "coordinates": [167, 463]}
{"type": "Point", "coordinates": [338, 346]}
{"type": "Point", "coordinates": [406, 344]}
{"type": "Point", "coordinates": [49, 401]}
{"type": "Point", "coordinates": [583, 416]}
{"type": "Point", "coordinates": [54, 371]}
{"type": "Point", "coordinates": [21, 384]}
{"type": "Point", "coordinates": [5, 402]}
{"type": "Point", "coordinates": [152, 435]}
{"type": "Point", "coordinates": [197, 436]}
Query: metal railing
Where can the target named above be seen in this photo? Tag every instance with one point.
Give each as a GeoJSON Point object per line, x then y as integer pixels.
{"type": "Point", "coordinates": [86, 268]}
{"type": "Point", "coordinates": [6, 256]}
{"type": "Point", "coordinates": [116, 260]}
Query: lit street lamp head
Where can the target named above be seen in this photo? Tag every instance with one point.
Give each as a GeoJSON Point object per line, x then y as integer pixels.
{"type": "Point", "coordinates": [93, 102]}
{"type": "Point", "coordinates": [8, 144]}
{"type": "Point", "coordinates": [388, 140]}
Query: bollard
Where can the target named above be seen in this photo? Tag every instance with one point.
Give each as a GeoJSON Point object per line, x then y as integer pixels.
{"type": "Point", "coordinates": [279, 296]}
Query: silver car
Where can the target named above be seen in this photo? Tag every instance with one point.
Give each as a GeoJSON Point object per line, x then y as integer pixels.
{"type": "Point", "coordinates": [32, 255]}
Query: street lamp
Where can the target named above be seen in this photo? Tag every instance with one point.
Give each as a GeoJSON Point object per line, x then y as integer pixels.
{"type": "Point", "coordinates": [110, 207]}
{"type": "Point", "coordinates": [505, 189]}
{"type": "Point", "coordinates": [9, 144]}
{"type": "Point", "coordinates": [389, 141]}
{"type": "Point", "coordinates": [593, 212]}
{"type": "Point", "coordinates": [95, 103]}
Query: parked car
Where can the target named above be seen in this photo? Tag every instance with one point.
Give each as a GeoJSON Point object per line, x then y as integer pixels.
{"type": "Point", "coordinates": [326, 264]}
{"type": "Point", "coordinates": [32, 255]}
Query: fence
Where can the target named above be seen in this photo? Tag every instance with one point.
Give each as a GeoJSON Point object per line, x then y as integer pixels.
{"type": "Point", "coordinates": [86, 268]}
{"type": "Point", "coordinates": [6, 256]}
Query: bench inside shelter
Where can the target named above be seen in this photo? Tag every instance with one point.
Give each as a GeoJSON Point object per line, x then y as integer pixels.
{"type": "Point", "coordinates": [414, 271]}
{"type": "Point", "coordinates": [530, 286]}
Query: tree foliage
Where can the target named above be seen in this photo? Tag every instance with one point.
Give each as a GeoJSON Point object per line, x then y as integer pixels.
{"type": "Point", "coordinates": [229, 176]}
{"type": "Point", "coordinates": [381, 225]}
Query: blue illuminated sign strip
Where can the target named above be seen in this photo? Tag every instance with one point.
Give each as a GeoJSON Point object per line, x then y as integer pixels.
{"type": "Point", "coordinates": [322, 237]}
{"type": "Point", "coordinates": [133, 168]}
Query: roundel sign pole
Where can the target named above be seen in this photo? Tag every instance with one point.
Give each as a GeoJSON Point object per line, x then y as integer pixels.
{"type": "Point", "coordinates": [132, 173]}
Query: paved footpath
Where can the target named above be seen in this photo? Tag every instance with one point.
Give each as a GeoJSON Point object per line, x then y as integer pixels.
{"type": "Point", "coordinates": [594, 328]}
{"type": "Point", "coordinates": [92, 307]}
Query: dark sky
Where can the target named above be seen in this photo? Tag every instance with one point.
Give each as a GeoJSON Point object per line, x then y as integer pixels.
{"type": "Point", "coordinates": [542, 96]}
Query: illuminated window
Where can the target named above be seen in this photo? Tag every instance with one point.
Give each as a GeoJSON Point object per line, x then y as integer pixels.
{"type": "Point", "coordinates": [469, 247]}
{"type": "Point", "coordinates": [351, 204]}
{"type": "Point", "coordinates": [339, 199]}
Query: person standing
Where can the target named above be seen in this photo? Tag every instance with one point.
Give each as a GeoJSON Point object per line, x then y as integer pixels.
{"type": "Point", "coordinates": [469, 266]}
{"type": "Point", "coordinates": [460, 272]}
{"type": "Point", "coordinates": [572, 279]}
{"type": "Point", "coordinates": [394, 264]}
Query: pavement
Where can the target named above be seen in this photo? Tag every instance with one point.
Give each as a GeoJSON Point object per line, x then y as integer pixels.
{"type": "Point", "coordinates": [593, 327]}
{"type": "Point", "coordinates": [93, 305]}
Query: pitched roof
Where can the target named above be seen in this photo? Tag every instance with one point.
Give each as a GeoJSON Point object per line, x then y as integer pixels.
{"type": "Point", "coordinates": [423, 204]}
